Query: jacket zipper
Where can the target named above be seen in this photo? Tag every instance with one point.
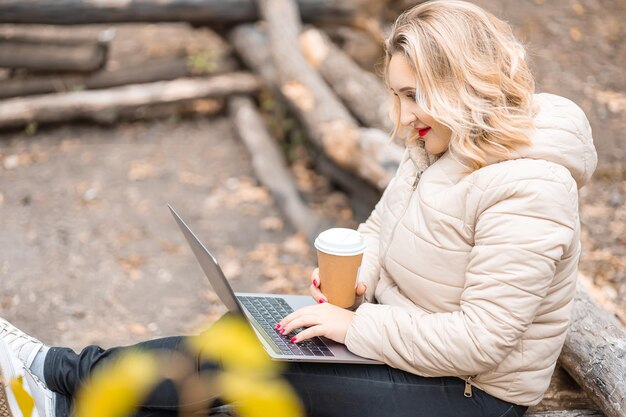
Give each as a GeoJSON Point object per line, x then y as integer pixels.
{"type": "Point", "coordinates": [468, 387]}
{"type": "Point", "coordinates": [417, 180]}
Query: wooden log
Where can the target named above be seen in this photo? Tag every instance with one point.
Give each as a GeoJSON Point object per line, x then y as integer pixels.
{"type": "Point", "coordinates": [595, 354]}
{"type": "Point", "coordinates": [358, 44]}
{"type": "Point", "coordinates": [330, 126]}
{"type": "Point", "coordinates": [270, 167]}
{"type": "Point", "coordinates": [377, 158]}
{"type": "Point", "coordinates": [57, 34]}
{"type": "Point", "coordinates": [106, 105]}
{"type": "Point", "coordinates": [43, 55]}
{"type": "Point", "coordinates": [150, 71]}
{"type": "Point", "coordinates": [361, 91]}
{"type": "Point", "coordinates": [19, 87]}
{"type": "Point", "coordinates": [564, 394]}
{"type": "Point", "coordinates": [72, 12]}
{"type": "Point", "coordinates": [228, 412]}
{"type": "Point", "coordinates": [565, 413]}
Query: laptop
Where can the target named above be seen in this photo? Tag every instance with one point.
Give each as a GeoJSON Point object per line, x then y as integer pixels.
{"type": "Point", "coordinates": [263, 311]}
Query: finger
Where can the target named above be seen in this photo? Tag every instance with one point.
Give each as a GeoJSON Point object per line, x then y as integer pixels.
{"type": "Point", "coordinates": [361, 288]}
{"type": "Point", "coordinates": [304, 321]}
{"type": "Point", "coordinates": [293, 316]}
{"type": "Point", "coordinates": [317, 295]}
{"type": "Point", "coordinates": [315, 277]}
{"type": "Point", "coordinates": [308, 333]}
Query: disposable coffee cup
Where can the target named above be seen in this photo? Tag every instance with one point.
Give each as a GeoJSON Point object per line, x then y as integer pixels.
{"type": "Point", "coordinates": [339, 256]}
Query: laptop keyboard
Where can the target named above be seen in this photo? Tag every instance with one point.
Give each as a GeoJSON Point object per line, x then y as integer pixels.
{"type": "Point", "coordinates": [268, 311]}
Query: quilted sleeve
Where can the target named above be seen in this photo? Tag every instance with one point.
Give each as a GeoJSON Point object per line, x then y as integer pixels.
{"type": "Point", "coordinates": [523, 227]}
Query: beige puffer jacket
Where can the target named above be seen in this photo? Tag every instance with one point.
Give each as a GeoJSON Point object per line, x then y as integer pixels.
{"type": "Point", "coordinates": [473, 275]}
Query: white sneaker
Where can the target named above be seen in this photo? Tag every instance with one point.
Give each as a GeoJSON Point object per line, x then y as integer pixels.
{"type": "Point", "coordinates": [10, 368]}
{"type": "Point", "coordinates": [23, 346]}
{"type": "Point", "coordinates": [44, 398]}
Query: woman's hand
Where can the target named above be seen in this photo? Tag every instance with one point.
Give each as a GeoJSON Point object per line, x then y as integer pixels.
{"type": "Point", "coordinates": [321, 298]}
{"type": "Point", "coordinates": [321, 320]}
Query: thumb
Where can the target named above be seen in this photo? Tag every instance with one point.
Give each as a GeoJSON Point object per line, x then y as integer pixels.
{"type": "Point", "coordinates": [361, 288]}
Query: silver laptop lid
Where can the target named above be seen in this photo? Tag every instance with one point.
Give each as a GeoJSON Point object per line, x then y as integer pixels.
{"type": "Point", "coordinates": [210, 267]}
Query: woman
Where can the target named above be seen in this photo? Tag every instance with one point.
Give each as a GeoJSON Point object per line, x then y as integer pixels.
{"type": "Point", "coordinates": [470, 267]}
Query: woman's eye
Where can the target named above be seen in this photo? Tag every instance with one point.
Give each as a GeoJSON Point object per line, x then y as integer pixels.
{"type": "Point", "coordinates": [411, 96]}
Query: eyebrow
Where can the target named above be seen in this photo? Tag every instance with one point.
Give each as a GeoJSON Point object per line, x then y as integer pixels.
{"type": "Point", "coordinates": [403, 89]}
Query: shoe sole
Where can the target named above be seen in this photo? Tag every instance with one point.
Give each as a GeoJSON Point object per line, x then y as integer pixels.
{"type": "Point", "coordinates": [5, 411]}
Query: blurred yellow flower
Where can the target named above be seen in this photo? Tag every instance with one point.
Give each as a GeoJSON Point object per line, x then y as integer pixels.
{"type": "Point", "coordinates": [249, 379]}
{"type": "Point", "coordinates": [231, 342]}
{"type": "Point", "coordinates": [116, 389]}
{"type": "Point", "coordinates": [25, 401]}
{"type": "Point", "coordinates": [255, 397]}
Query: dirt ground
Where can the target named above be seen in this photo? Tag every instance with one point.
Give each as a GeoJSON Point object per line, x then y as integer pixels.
{"type": "Point", "coordinates": [90, 254]}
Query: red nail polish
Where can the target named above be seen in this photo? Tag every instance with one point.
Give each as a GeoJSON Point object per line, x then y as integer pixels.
{"type": "Point", "coordinates": [282, 331]}
{"type": "Point", "coordinates": [277, 327]}
{"type": "Point", "coordinates": [293, 340]}
{"type": "Point", "coordinates": [322, 300]}
{"type": "Point", "coordinates": [315, 282]}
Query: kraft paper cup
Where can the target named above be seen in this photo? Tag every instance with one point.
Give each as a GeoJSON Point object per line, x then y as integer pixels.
{"type": "Point", "coordinates": [339, 255]}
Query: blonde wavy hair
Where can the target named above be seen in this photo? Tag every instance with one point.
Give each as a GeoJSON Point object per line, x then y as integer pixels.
{"type": "Point", "coordinates": [472, 76]}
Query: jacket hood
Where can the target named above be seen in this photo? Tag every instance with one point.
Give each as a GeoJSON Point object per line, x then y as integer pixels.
{"type": "Point", "coordinates": [562, 136]}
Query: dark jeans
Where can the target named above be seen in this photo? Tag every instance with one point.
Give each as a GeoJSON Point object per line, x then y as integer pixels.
{"type": "Point", "coordinates": [325, 389]}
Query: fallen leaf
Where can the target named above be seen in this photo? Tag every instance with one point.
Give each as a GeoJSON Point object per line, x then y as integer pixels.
{"type": "Point", "coordinates": [138, 329]}
{"type": "Point", "coordinates": [68, 145]}
{"type": "Point", "coordinates": [578, 9]}
{"type": "Point", "coordinates": [133, 261]}
{"type": "Point", "coordinates": [279, 286]}
{"type": "Point", "coordinates": [187, 177]}
{"type": "Point", "coordinates": [249, 210]}
{"type": "Point", "coordinates": [263, 252]}
{"type": "Point", "coordinates": [305, 177]}
{"type": "Point", "coordinates": [135, 274]}
{"type": "Point", "coordinates": [11, 162]}
{"type": "Point", "coordinates": [206, 106]}
{"type": "Point", "coordinates": [271, 223]}
{"type": "Point", "coordinates": [297, 244]}
{"type": "Point", "coordinates": [140, 170]}
{"type": "Point", "coordinates": [130, 266]}
{"type": "Point", "coordinates": [213, 201]}
{"type": "Point", "coordinates": [170, 248]}
{"type": "Point", "coordinates": [232, 268]}
{"type": "Point", "coordinates": [273, 272]}
{"type": "Point", "coordinates": [575, 34]}
{"type": "Point", "coordinates": [252, 194]}
{"type": "Point", "coordinates": [210, 296]}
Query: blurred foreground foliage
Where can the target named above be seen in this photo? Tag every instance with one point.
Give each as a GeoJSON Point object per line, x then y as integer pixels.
{"type": "Point", "coordinates": [247, 378]}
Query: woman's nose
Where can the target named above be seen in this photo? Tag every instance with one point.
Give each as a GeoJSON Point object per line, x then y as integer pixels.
{"type": "Point", "coordinates": [406, 118]}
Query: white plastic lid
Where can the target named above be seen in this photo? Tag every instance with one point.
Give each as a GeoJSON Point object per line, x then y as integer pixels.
{"type": "Point", "coordinates": [340, 242]}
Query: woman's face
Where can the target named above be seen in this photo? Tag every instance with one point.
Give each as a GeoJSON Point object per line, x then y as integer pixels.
{"type": "Point", "coordinates": [403, 82]}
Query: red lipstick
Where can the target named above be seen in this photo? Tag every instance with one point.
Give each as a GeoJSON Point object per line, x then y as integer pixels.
{"type": "Point", "coordinates": [423, 132]}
